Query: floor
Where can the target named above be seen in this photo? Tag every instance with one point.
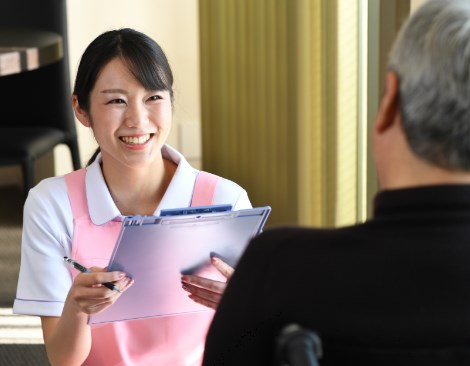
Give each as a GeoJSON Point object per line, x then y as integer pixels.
{"type": "Point", "coordinates": [19, 329]}
{"type": "Point", "coordinates": [21, 340]}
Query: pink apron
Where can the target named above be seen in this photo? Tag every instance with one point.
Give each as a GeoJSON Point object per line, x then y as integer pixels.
{"type": "Point", "coordinates": [175, 340]}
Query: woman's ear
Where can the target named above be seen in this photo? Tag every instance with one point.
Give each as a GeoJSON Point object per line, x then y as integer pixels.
{"type": "Point", "coordinates": [389, 108]}
{"type": "Point", "coordinates": [80, 113]}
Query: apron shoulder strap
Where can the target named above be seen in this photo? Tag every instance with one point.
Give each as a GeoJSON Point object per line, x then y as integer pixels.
{"type": "Point", "coordinates": [204, 189]}
{"type": "Point", "coordinates": [75, 182]}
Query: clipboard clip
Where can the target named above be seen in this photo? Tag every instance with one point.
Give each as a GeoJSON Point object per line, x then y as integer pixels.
{"type": "Point", "coordinates": [138, 220]}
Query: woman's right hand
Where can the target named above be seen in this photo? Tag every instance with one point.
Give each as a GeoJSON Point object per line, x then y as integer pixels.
{"type": "Point", "coordinates": [68, 337]}
{"type": "Point", "coordinates": [90, 296]}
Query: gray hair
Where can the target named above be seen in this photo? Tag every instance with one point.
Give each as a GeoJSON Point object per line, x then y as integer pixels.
{"type": "Point", "coordinates": [431, 58]}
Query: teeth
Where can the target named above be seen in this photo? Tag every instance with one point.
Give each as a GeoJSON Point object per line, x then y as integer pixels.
{"type": "Point", "coordinates": [134, 140]}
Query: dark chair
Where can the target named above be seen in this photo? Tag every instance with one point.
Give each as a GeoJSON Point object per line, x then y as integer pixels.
{"type": "Point", "coordinates": [297, 346]}
{"type": "Point", "coordinates": [300, 346]}
{"type": "Point", "coordinates": [36, 113]}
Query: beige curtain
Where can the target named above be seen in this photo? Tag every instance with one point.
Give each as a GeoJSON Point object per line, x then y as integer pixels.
{"type": "Point", "coordinates": [280, 105]}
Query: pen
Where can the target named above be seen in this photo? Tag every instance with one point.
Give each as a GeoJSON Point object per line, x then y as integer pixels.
{"type": "Point", "coordinates": [83, 269]}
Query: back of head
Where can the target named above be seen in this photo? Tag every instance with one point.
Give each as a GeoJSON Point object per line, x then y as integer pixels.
{"type": "Point", "coordinates": [431, 58]}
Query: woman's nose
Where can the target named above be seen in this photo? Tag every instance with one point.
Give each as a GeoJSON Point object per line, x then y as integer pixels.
{"type": "Point", "coordinates": [136, 115]}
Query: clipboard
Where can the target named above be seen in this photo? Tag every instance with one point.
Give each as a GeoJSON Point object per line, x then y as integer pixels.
{"type": "Point", "coordinates": [156, 250]}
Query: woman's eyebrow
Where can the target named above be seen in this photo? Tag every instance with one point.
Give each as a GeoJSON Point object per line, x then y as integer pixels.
{"type": "Point", "coordinates": [113, 91]}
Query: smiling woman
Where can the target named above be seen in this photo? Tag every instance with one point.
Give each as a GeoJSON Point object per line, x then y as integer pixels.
{"type": "Point", "coordinates": [130, 122]}
{"type": "Point", "coordinates": [124, 94]}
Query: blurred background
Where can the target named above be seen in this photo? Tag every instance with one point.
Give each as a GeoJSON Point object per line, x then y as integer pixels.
{"type": "Point", "coordinates": [276, 95]}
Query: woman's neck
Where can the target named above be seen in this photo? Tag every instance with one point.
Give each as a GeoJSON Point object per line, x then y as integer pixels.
{"type": "Point", "coordinates": [140, 190]}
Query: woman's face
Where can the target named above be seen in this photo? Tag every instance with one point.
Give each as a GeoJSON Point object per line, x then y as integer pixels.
{"type": "Point", "coordinates": [130, 123]}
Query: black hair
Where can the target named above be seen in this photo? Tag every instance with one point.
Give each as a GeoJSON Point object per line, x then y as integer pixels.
{"type": "Point", "coordinates": [144, 57]}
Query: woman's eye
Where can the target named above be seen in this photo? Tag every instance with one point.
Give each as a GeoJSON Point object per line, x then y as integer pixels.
{"type": "Point", "coordinates": [116, 101]}
{"type": "Point", "coordinates": [155, 97]}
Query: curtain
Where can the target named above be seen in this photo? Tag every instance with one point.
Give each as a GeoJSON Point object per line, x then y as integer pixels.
{"type": "Point", "coordinates": [281, 116]}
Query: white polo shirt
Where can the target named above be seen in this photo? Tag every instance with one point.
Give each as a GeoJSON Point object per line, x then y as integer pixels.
{"type": "Point", "coordinates": [44, 279]}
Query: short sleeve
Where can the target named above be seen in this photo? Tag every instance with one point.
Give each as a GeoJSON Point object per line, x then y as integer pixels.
{"type": "Point", "coordinates": [228, 192]}
{"type": "Point", "coordinates": [44, 279]}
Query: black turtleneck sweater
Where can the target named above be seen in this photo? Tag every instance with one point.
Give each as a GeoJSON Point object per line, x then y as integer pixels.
{"type": "Point", "coordinates": [371, 291]}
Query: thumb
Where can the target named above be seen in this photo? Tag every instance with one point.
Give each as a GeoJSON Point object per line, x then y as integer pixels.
{"type": "Point", "coordinates": [222, 267]}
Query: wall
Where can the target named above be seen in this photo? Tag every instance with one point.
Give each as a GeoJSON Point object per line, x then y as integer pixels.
{"type": "Point", "coordinates": [415, 4]}
{"type": "Point", "coordinates": [279, 103]}
{"type": "Point", "coordinates": [174, 25]}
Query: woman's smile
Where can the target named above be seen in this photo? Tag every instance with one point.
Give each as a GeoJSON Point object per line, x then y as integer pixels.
{"type": "Point", "coordinates": [136, 140]}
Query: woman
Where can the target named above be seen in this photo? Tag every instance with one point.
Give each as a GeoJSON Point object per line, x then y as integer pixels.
{"type": "Point", "coordinates": [123, 92]}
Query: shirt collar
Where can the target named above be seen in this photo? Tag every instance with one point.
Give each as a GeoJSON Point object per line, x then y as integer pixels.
{"type": "Point", "coordinates": [180, 191]}
{"type": "Point", "coordinates": [101, 206]}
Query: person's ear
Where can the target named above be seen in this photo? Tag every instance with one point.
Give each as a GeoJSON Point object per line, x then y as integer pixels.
{"type": "Point", "coordinates": [389, 108]}
{"type": "Point", "coordinates": [80, 113]}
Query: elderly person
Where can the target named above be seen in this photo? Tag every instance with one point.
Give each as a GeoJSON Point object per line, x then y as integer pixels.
{"type": "Point", "coordinates": [399, 281]}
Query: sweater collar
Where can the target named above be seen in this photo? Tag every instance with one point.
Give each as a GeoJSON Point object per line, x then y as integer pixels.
{"type": "Point", "coordinates": [427, 199]}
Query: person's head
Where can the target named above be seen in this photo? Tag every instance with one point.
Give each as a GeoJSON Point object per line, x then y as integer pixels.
{"type": "Point", "coordinates": [431, 60]}
{"type": "Point", "coordinates": [139, 60]}
{"type": "Point", "coordinates": [144, 57]}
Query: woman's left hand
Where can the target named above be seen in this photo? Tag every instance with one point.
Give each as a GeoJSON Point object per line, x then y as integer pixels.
{"type": "Point", "coordinates": [204, 290]}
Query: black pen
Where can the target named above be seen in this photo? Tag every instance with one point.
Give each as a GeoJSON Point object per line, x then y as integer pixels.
{"type": "Point", "coordinates": [83, 269]}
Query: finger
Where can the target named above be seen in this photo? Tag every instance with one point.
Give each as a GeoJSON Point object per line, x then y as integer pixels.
{"type": "Point", "coordinates": [85, 289]}
{"type": "Point", "coordinates": [93, 307]}
{"type": "Point", "coordinates": [212, 285]}
{"type": "Point", "coordinates": [103, 277]}
{"type": "Point", "coordinates": [222, 267]}
{"type": "Point", "coordinates": [124, 284]}
{"type": "Point", "coordinates": [202, 293]}
{"type": "Point", "coordinates": [88, 298]}
{"type": "Point", "coordinates": [205, 302]}
{"type": "Point", "coordinates": [98, 269]}
{"type": "Point", "coordinates": [95, 293]}
{"type": "Point", "coordinates": [95, 299]}
{"type": "Point", "coordinates": [94, 279]}
{"type": "Point", "coordinates": [203, 297]}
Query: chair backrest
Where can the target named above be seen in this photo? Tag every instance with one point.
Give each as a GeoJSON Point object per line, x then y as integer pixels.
{"type": "Point", "coordinates": [40, 97]}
